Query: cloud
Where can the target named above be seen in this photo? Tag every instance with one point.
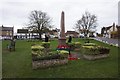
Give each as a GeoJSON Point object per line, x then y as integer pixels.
{"type": "Point", "coordinates": [16, 12]}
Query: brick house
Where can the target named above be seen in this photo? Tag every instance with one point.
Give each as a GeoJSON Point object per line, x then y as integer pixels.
{"type": "Point", "coordinates": [6, 32]}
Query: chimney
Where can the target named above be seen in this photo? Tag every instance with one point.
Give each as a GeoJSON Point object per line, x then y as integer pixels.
{"type": "Point", "coordinates": [113, 26]}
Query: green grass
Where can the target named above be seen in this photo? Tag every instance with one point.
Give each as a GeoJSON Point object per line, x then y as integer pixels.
{"type": "Point", "coordinates": [18, 64]}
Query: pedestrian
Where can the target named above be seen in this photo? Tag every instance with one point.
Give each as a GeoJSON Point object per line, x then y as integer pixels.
{"type": "Point", "coordinates": [70, 39]}
{"type": "Point", "coordinates": [46, 38]}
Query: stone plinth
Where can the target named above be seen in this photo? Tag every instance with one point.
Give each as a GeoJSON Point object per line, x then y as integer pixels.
{"type": "Point", "coordinates": [62, 41]}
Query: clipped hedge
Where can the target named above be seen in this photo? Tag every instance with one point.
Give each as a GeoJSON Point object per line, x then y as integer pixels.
{"type": "Point", "coordinates": [62, 52]}
{"type": "Point", "coordinates": [90, 44]}
{"type": "Point", "coordinates": [37, 47]}
{"type": "Point", "coordinates": [46, 44]}
{"type": "Point", "coordinates": [77, 44]}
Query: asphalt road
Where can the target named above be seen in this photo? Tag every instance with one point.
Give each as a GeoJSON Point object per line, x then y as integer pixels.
{"type": "Point", "coordinates": [109, 40]}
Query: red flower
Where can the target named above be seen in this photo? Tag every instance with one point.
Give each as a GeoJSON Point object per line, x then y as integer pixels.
{"type": "Point", "coordinates": [72, 57]}
{"type": "Point", "coordinates": [63, 47]}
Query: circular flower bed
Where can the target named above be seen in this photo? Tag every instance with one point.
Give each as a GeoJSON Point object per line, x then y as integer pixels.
{"type": "Point", "coordinates": [42, 60]}
{"type": "Point", "coordinates": [91, 51]}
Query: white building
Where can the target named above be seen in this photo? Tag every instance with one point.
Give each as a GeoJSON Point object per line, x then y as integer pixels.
{"type": "Point", "coordinates": [108, 31]}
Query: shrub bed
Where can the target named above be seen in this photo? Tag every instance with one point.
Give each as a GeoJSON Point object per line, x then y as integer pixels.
{"type": "Point", "coordinates": [49, 63]}
{"type": "Point", "coordinates": [91, 51]}
{"type": "Point", "coordinates": [42, 59]}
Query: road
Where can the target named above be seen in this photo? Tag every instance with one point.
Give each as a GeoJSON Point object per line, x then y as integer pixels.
{"type": "Point", "coordinates": [109, 40]}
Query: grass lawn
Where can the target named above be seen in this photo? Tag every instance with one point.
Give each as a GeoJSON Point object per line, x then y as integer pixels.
{"type": "Point", "coordinates": [18, 64]}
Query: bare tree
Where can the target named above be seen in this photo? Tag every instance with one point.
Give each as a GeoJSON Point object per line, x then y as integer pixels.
{"type": "Point", "coordinates": [87, 23]}
{"type": "Point", "coordinates": [39, 21]}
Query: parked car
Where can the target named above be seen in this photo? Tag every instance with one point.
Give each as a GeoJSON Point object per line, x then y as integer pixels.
{"type": "Point", "coordinates": [82, 36]}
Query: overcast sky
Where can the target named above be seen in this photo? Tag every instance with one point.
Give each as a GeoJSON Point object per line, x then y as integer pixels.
{"type": "Point", "coordinates": [15, 13]}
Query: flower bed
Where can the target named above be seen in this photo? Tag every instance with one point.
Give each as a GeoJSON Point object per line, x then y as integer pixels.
{"type": "Point", "coordinates": [41, 59]}
{"type": "Point", "coordinates": [49, 63]}
{"type": "Point", "coordinates": [93, 52]}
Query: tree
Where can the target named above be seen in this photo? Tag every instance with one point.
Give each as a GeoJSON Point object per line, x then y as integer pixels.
{"type": "Point", "coordinates": [86, 23]}
{"type": "Point", "coordinates": [39, 21]}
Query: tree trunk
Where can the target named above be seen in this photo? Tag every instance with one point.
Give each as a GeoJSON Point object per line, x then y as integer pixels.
{"type": "Point", "coordinates": [29, 35]}
{"type": "Point", "coordinates": [85, 34]}
{"type": "Point", "coordinates": [26, 35]}
{"type": "Point", "coordinates": [40, 38]}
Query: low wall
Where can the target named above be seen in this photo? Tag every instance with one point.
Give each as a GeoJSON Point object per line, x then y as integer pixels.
{"type": "Point", "coordinates": [48, 63]}
{"type": "Point", "coordinates": [94, 57]}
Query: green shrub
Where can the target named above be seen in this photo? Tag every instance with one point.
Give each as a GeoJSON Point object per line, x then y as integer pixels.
{"type": "Point", "coordinates": [46, 57]}
{"type": "Point", "coordinates": [37, 47]}
{"type": "Point", "coordinates": [89, 50]}
{"type": "Point", "coordinates": [89, 44]}
{"type": "Point", "coordinates": [93, 50]}
{"type": "Point", "coordinates": [77, 44]}
{"type": "Point", "coordinates": [71, 45]}
{"type": "Point", "coordinates": [46, 44]}
{"type": "Point", "coordinates": [89, 47]}
{"type": "Point", "coordinates": [103, 50]}
{"type": "Point", "coordinates": [62, 52]}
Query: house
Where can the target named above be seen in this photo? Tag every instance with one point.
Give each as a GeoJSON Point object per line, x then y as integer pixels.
{"type": "Point", "coordinates": [6, 32]}
{"type": "Point", "coordinates": [72, 33]}
{"type": "Point", "coordinates": [110, 31]}
{"type": "Point", "coordinates": [105, 31]}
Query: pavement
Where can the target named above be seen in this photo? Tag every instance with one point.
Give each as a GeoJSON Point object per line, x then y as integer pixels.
{"type": "Point", "coordinates": [115, 42]}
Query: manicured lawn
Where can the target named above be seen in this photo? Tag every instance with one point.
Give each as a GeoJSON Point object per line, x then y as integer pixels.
{"type": "Point", "coordinates": [18, 64]}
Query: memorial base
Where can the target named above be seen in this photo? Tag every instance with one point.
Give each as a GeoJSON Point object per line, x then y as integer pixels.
{"type": "Point", "coordinates": [62, 41]}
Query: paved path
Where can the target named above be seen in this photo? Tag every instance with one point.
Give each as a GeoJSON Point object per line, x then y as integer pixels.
{"type": "Point", "coordinates": [108, 40]}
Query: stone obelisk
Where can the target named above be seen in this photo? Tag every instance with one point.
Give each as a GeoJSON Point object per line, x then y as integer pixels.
{"type": "Point", "coordinates": [62, 39]}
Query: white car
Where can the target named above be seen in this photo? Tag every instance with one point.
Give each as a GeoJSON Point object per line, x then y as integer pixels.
{"type": "Point", "coordinates": [0, 37]}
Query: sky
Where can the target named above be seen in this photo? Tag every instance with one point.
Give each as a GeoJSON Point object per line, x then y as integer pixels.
{"type": "Point", "coordinates": [16, 12]}
{"type": "Point", "coordinates": [119, 13]}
